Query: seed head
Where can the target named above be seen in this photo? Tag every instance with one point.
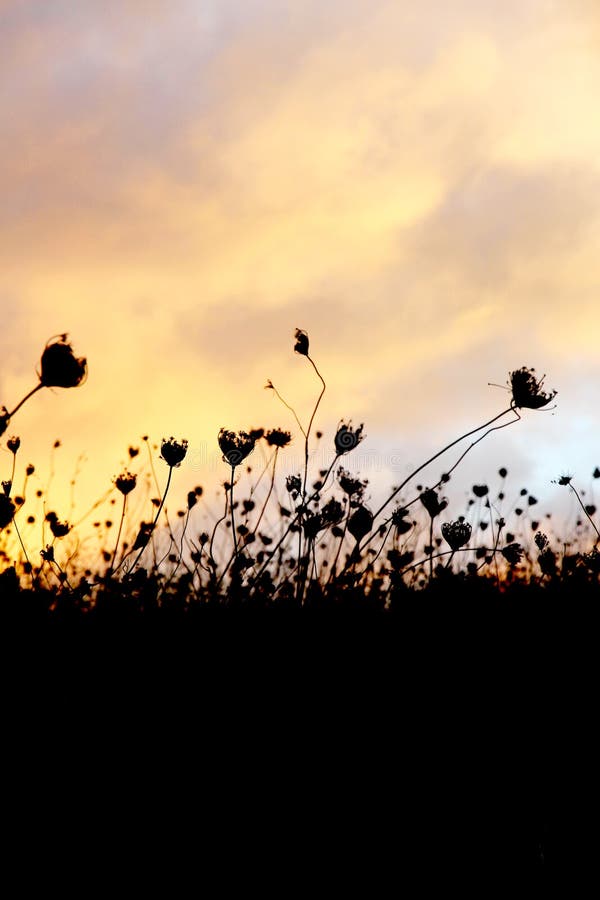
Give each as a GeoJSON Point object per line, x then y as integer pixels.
{"type": "Point", "coordinates": [235, 447]}
{"type": "Point", "coordinates": [456, 534]}
{"type": "Point", "coordinates": [278, 438]}
{"type": "Point", "coordinates": [301, 345]}
{"type": "Point", "coordinates": [527, 389]}
{"type": "Point", "coordinates": [432, 502]}
{"type": "Point", "coordinates": [346, 438]}
{"type": "Point", "coordinates": [512, 553]}
{"type": "Point", "coordinates": [59, 365]}
{"type": "Point", "coordinates": [126, 482]}
{"type": "Point", "coordinates": [173, 452]}
{"type": "Point", "coordinates": [360, 522]}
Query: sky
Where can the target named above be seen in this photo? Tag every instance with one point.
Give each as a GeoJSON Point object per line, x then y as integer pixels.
{"type": "Point", "coordinates": [186, 182]}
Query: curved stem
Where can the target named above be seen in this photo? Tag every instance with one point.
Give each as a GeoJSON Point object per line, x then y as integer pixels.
{"type": "Point", "coordinates": [435, 456]}
{"type": "Point", "coordinates": [235, 544]}
{"type": "Point", "coordinates": [270, 491]}
{"type": "Point", "coordinates": [37, 388]}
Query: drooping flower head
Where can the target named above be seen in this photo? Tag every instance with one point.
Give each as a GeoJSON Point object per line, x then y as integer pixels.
{"type": "Point", "coordinates": [301, 345]}
{"type": "Point", "coordinates": [527, 389]}
{"type": "Point", "coordinates": [346, 438]}
{"type": "Point", "coordinates": [235, 447]}
{"type": "Point", "coordinates": [173, 452]}
{"type": "Point", "coordinates": [59, 365]}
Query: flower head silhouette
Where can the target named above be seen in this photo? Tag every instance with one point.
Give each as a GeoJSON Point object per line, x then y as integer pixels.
{"type": "Point", "coordinates": [59, 365]}
{"type": "Point", "coordinates": [527, 389]}
{"type": "Point", "coordinates": [347, 438]}
{"type": "Point", "coordinates": [456, 534]}
{"type": "Point", "coordinates": [173, 452]}
{"type": "Point", "coordinates": [301, 345]}
{"type": "Point", "coordinates": [235, 447]}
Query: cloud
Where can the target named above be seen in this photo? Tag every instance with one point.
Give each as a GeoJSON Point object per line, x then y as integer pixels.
{"type": "Point", "coordinates": [183, 184]}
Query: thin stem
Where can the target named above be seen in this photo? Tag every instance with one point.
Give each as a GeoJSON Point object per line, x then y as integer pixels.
{"type": "Point", "coordinates": [235, 544]}
{"type": "Point", "coordinates": [37, 388]}
{"type": "Point", "coordinates": [270, 491]}
{"type": "Point", "coordinates": [112, 562]}
{"type": "Point", "coordinates": [293, 522]}
{"type": "Point", "coordinates": [435, 456]}
{"type": "Point", "coordinates": [287, 405]}
{"type": "Point", "coordinates": [137, 559]}
{"type": "Point", "coordinates": [585, 511]}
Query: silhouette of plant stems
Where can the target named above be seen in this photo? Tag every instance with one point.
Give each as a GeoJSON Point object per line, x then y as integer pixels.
{"type": "Point", "coordinates": [431, 459]}
{"type": "Point", "coordinates": [302, 576]}
{"type": "Point", "coordinates": [158, 512]}
{"type": "Point", "coordinates": [37, 388]}
{"type": "Point", "coordinates": [235, 543]}
{"type": "Point", "coordinates": [112, 562]}
{"type": "Point", "coordinates": [293, 522]}
{"type": "Point", "coordinates": [269, 492]}
{"type": "Point", "coordinates": [332, 574]}
{"type": "Point", "coordinates": [581, 503]}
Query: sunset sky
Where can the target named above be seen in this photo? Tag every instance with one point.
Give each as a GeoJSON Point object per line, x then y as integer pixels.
{"type": "Point", "coordinates": [415, 184]}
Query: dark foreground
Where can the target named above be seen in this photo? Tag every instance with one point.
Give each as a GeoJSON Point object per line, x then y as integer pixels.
{"type": "Point", "coordinates": [452, 738]}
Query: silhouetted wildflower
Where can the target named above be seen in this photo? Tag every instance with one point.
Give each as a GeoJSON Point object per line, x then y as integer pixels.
{"type": "Point", "coordinates": [59, 365]}
{"type": "Point", "coordinates": [7, 510]}
{"type": "Point", "coordinates": [293, 485]}
{"type": "Point", "coordinates": [235, 447]}
{"type": "Point", "coordinates": [541, 540]}
{"type": "Point", "coordinates": [354, 487]}
{"type": "Point", "coordinates": [312, 525]}
{"type": "Point", "coordinates": [527, 389]}
{"type": "Point", "coordinates": [332, 512]}
{"type": "Point", "coordinates": [547, 561]}
{"type": "Point", "coordinates": [347, 438]}
{"type": "Point", "coordinates": [512, 553]}
{"type": "Point", "coordinates": [456, 534]}
{"type": "Point", "coordinates": [173, 452]}
{"type": "Point", "coordinates": [360, 522]}
{"type": "Point", "coordinates": [432, 503]}
{"type": "Point", "coordinates": [133, 452]}
{"type": "Point", "coordinates": [502, 472]}
{"type": "Point", "coordinates": [301, 345]}
{"type": "Point", "coordinates": [13, 444]}
{"type": "Point", "coordinates": [256, 433]}
{"type": "Point", "coordinates": [278, 438]}
{"type": "Point", "coordinates": [564, 480]}
{"type": "Point", "coordinates": [399, 520]}
{"type": "Point", "coordinates": [191, 499]}
{"type": "Point", "coordinates": [126, 482]}
{"type": "Point", "coordinates": [144, 534]}
{"type": "Point", "coordinates": [480, 490]}
{"type": "Point", "coordinates": [48, 553]}
{"type": "Point", "coordinates": [59, 529]}
{"type": "Point", "coordinates": [6, 487]}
